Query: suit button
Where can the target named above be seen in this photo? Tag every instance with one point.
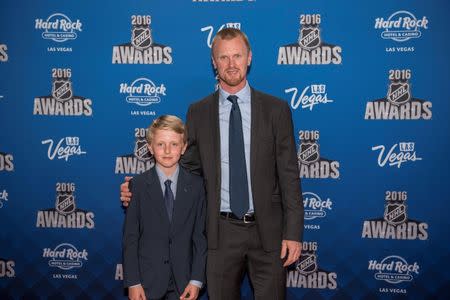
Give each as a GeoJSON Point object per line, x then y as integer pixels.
{"type": "Point", "coordinates": [166, 262]}
{"type": "Point", "coordinates": [170, 241]}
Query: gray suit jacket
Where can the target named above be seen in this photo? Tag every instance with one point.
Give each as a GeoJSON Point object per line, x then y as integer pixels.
{"type": "Point", "coordinates": [152, 246]}
{"type": "Point", "coordinates": [273, 162]}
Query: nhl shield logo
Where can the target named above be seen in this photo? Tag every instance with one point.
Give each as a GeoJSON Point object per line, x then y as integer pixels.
{"type": "Point", "coordinates": [141, 150]}
{"type": "Point", "coordinates": [141, 37]}
{"type": "Point", "coordinates": [308, 153]}
{"type": "Point", "coordinates": [399, 93]}
{"type": "Point", "coordinates": [395, 214]}
{"type": "Point", "coordinates": [309, 38]}
{"type": "Point", "coordinates": [62, 90]}
{"type": "Point", "coordinates": [307, 263]}
{"type": "Point", "coordinates": [65, 204]}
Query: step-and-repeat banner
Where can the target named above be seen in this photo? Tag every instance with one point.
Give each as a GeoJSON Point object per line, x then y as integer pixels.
{"type": "Point", "coordinates": [368, 85]}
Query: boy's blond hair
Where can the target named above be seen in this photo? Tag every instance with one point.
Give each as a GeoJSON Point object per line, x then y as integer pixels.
{"type": "Point", "coordinates": [167, 122]}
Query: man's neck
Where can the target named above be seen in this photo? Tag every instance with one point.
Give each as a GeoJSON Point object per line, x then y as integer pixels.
{"type": "Point", "coordinates": [233, 90]}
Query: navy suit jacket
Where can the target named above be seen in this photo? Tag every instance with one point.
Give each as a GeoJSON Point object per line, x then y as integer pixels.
{"type": "Point", "coordinates": [153, 247]}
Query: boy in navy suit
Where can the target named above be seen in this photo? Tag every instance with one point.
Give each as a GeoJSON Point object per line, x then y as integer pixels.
{"type": "Point", "coordinates": [164, 246]}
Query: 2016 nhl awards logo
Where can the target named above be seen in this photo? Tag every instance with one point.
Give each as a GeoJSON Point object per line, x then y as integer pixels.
{"type": "Point", "coordinates": [394, 269]}
{"type": "Point", "coordinates": [6, 162]}
{"type": "Point", "coordinates": [211, 34]}
{"type": "Point", "coordinates": [399, 103]}
{"type": "Point", "coordinates": [305, 273]}
{"type": "Point", "coordinates": [143, 92]}
{"type": "Point", "coordinates": [309, 48]}
{"type": "Point", "coordinates": [392, 158]}
{"type": "Point", "coordinates": [311, 164]}
{"type": "Point", "coordinates": [395, 223]}
{"type": "Point", "coordinates": [140, 160]}
{"type": "Point", "coordinates": [315, 208]}
{"type": "Point", "coordinates": [142, 49]}
{"type": "Point", "coordinates": [65, 257]}
{"type": "Point", "coordinates": [3, 53]}
{"type": "Point", "coordinates": [3, 197]}
{"type": "Point", "coordinates": [311, 96]}
{"type": "Point", "coordinates": [62, 101]}
{"type": "Point", "coordinates": [65, 214]}
{"type": "Point", "coordinates": [7, 268]}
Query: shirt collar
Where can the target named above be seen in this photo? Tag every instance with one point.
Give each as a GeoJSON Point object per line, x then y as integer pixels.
{"type": "Point", "coordinates": [163, 177]}
{"type": "Point", "coordinates": [243, 94]}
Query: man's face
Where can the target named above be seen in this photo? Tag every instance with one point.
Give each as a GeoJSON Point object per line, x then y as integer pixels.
{"type": "Point", "coordinates": [231, 60]}
{"type": "Point", "coordinates": [167, 147]}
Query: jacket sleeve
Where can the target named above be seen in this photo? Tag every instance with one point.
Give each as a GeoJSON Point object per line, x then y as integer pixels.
{"type": "Point", "coordinates": [191, 158]}
{"type": "Point", "coordinates": [289, 176]}
{"type": "Point", "coordinates": [130, 240]}
{"type": "Point", "coordinates": [199, 245]}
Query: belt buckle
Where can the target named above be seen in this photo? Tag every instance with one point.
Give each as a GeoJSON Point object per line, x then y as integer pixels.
{"type": "Point", "coordinates": [245, 219]}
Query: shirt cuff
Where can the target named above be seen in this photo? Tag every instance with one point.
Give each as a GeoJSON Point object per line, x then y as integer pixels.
{"type": "Point", "coordinates": [197, 283]}
{"type": "Point", "coordinates": [135, 285]}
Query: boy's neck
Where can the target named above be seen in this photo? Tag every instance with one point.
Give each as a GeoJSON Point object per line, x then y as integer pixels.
{"type": "Point", "coordinates": [167, 171]}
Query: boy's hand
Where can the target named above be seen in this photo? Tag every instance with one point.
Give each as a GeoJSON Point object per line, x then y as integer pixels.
{"type": "Point", "coordinates": [190, 292]}
{"type": "Point", "coordinates": [125, 194]}
{"type": "Point", "coordinates": [136, 293]}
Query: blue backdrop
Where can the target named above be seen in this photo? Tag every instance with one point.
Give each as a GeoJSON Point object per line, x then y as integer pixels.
{"type": "Point", "coordinates": [367, 83]}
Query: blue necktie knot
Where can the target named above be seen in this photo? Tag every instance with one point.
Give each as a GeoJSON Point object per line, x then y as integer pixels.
{"type": "Point", "coordinates": [167, 183]}
{"type": "Point", "coordinates": [233, 99]}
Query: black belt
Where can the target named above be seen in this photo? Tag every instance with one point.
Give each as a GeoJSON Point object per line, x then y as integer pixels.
{"type": "Point", "coordinates": [247, 218]}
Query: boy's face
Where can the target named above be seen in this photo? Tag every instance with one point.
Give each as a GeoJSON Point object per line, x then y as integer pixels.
{"type": "Point", "coordinates": [167, 146]}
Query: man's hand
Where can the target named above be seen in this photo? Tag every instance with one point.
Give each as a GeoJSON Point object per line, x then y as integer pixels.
{"type": "Point", "coordinates": [190, 292]}
{"type": "Point", "coordinates": [136, 293]}
{"type": "Point", "coordinates": [125, 194]}
{"type": "Point", "coordinates": [293, 249]}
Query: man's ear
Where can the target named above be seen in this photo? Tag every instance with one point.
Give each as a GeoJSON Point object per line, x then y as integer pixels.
{"type": "Point", "coordinates": [213, 62]}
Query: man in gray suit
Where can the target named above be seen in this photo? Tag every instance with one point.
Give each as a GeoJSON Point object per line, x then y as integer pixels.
{"type": "Point", "coordinates": [242, 141]}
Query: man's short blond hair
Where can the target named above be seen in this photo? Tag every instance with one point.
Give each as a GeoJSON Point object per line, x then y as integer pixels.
{"type": "Point", "coordinates": [229, 34]}
{"type": "Point", "coordinates": [167, 122]}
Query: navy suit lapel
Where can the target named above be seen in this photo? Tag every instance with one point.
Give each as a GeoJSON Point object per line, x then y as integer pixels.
{"type": "Point", "coordinates": [156, 194]}
{"type": "Point", "coordinates": [182, 200]}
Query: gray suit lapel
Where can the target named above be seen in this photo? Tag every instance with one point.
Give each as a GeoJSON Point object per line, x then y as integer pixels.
{"type": "Point", "coordinates": [215, 139]}
{"type": "Point", "coordinates": [255, 126]}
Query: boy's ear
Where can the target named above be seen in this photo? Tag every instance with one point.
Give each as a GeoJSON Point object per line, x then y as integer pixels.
{"type": "Point", "coordinates": [150, 148]}
{"type": "Point", "coordinates": [184, 148]}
